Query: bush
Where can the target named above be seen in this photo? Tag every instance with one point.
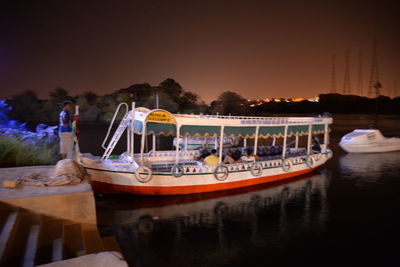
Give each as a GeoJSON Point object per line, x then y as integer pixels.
{"type": "Point", "coordinates": [15, 152]}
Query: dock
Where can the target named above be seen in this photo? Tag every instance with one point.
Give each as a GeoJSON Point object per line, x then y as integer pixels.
{"type": "Point", "coordinates": [49, 225]}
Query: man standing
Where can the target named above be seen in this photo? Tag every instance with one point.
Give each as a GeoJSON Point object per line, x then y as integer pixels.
{"type": "Point", "coordinates": [65, 131]}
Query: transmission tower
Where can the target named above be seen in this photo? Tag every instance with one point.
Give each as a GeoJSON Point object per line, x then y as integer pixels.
{"type": "Point", "coordinates": [360, 75]}
{"type": "Point", "coordinates": [374, 77]}
{"type": "Point", "coordinates": [346, 84]}
{"type": "Point", "coordinates": [333, 78]}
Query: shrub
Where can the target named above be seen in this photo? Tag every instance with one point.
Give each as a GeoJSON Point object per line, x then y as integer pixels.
{"type": "Point", "coordinates": [15, 152]}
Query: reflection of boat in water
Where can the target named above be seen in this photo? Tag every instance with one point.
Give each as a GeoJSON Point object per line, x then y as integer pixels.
{"type": "Point", "coordinates": [368, 141]}
{"type": "Point", "coordinates": [213, 221]}
{"type": "Point", "coordinates": [207, 204]}
{"type": "Point", "coordinates": [369, 164]}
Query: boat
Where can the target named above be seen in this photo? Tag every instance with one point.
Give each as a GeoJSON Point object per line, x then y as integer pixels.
{"type": "Point", "coordinates": [368, 141]}
{"type": "Point", "coordinates": [178, 171]}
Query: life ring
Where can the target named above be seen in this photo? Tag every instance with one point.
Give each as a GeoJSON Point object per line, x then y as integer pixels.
{"type": "Point", "coordinates": [143, 174]}
{"type": "Point", "coordinates": [256, 169]}
{"type": "Point", "coordinates": [310, 161]}
{"type": "Point", "coordinates": [318, 156]}
{"type": "Point", "coordinates": [177, 171]}
{"type": "Point", "coordinates": [221, 172]}
{"type": "Point", "coordinates": [286, 165]}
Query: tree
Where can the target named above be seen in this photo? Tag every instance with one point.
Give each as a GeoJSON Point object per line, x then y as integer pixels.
{"type": "Point", "coordinates": [25, 107]}
{"type": "Point", "coordinates": [90, 97]}
{"type": "Point", "coordinates": [165, 102]}
{"type": "Point", "coordinates": [230, 103]}
{"type": "Point", "coordinates": [188, 102]}
{"type": "Point", "coordinates": [171, 88]}
{"type": "Point", "coordinates": [59, 95]}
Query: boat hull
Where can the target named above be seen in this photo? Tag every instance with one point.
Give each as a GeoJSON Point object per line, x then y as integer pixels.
{"type": "Point", "coordinates": [368, 141]}
{"type": "Point", "coordinates": [107, 188]}
{"type": "Point", "coordinates": [113, 181]}
{"type": "Point", "coordinates": [370, 148]}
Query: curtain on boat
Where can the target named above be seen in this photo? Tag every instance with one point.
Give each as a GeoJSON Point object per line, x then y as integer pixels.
{"type": "Point", "coordinates": [161, 128]}
{"type": "Point", "coordinates": [299, 130]}
{"type": "Point", "coordinates": [230, 131]}
{"type": "Point", "coordinates": [138, 127]}
{"type": "Point", "coordinates": [200, 130]}
{"type": "Point", "coordinates": [240, 131]}
{"type": "Point", "coordinates": [318, 128]}
{"type": "Point", "coordinates": [271, 131]}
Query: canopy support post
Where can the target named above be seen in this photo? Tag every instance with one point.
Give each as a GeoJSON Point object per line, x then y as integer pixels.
{"type": "Point", "coordinates": [245, 142]}
{"type": "Point", "coordinates": [326, 136]}
{"type": "Point", "coordinates": [221, 144]}
{"type": "Point", "coordinates": [309, 139]}
{"type": "Point", "coordinates": [143, 141]}
{"type": "Point", "coordinates": [273, 141]}
{"type": "Point", "coordinates": [128, 140]}
{"type": "Point", "coordinates": [186, 143]}
{"type": "Point", "coordinates": [256, 140]}
{"type": "Point", "coordinates": [284, 142]}
{"type": "Point", "coordinates": [297, 142]}
{"type": "Point", "coordinates": [154, 144]}
{"type": "Point", "coordinates": [178, 128]}
{"type": "Point", "coordinates": [132, 132]}
{"type": "Point", "coordinates": [215, 142]}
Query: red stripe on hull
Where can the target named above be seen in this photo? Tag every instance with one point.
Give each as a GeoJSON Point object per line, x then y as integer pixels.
{"type": "Point", "coordinates": [107, 188]}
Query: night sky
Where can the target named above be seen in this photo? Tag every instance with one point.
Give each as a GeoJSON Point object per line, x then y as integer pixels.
{"type": "Point", "coordinates": [259, 49]}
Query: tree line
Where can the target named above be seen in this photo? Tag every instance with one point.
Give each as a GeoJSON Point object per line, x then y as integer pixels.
{"type": "Point", "coordinates": [27, 107]}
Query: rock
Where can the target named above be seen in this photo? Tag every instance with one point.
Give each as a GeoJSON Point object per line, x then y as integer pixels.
{"type": "Point", "coordinates": [68, 167]}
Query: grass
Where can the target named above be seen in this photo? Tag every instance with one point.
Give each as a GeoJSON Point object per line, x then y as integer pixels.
{"type": "Point", "coordinates": [15, 153]}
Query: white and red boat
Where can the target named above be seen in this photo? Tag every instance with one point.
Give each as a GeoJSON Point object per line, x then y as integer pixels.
{"type": "Point", "coordinates": [175, 172]}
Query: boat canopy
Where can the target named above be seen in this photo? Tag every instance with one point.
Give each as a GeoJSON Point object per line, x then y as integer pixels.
{"type": "Point", "coordinates": [161, 122]}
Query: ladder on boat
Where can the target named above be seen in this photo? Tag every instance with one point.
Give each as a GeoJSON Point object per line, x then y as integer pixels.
{"type": "Point", "coordinates": [117, 134]}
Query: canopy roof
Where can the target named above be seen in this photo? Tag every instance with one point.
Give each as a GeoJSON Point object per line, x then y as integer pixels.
{"type": "Point", "coordinates": [164, 123]}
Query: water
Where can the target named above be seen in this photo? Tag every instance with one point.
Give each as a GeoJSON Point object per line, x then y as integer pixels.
{"type": "Point", "coordinates": [344, 214]}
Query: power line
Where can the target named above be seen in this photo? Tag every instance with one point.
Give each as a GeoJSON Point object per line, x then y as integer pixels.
{"type": "Point", "coordinates": [374, 77]}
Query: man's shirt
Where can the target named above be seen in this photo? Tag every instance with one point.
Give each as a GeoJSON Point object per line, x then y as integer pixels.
{"type": "Point", "coordinates": [212, 160]}
{"type": "Point", "coordinates": [65, 118]}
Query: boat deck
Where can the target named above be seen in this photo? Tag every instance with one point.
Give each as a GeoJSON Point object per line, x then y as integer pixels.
{"type": "Point", "coordinates": [165, 164]}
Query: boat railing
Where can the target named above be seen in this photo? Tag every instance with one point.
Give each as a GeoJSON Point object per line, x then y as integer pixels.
{"type": "Point", "coordinates": [169, 154]}
{"type": "Point", "coordinates": [198, 167]}
{"type": "Point", "coordinates": [260, 120]}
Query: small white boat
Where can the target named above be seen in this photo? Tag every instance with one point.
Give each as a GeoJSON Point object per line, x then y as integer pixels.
{"type": "Point", "coordinates": [368, 141]}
